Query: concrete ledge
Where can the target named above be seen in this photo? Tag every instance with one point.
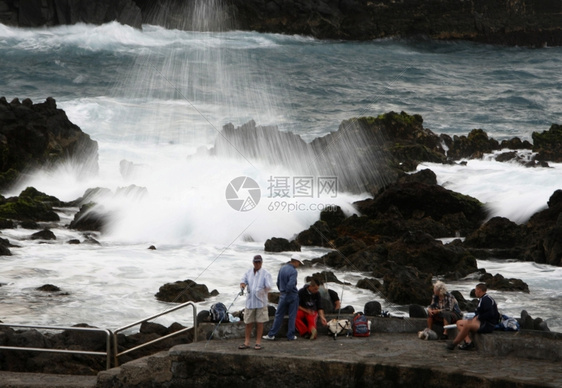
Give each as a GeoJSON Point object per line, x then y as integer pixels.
{"type": "Point", "coordinates": [529, 344]}
{"type": "Point", "coordinates": [384, 359]}
{"type": "Point", "coordinates": [378, 325]}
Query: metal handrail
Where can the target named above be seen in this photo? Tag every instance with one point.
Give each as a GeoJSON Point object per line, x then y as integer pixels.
{"type": "Point", "coordinates": [116, 353]}
{"type": "Point", "coordinates": [107, 341]}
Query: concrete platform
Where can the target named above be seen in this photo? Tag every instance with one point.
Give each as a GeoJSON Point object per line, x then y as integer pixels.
{"type": "Point", "coordinates": [393, 356]}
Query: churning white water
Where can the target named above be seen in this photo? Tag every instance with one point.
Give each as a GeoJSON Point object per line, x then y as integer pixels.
{"type": "Point", "coordinates": [158, 98]}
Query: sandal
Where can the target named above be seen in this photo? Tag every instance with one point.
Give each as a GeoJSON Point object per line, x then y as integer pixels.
{"type": "Point", "coordinates": [257, 347]}
{"type": "Point", "coordinates": [243, 346]}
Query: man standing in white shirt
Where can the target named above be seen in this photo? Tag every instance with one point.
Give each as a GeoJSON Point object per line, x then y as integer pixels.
{"type": "Point", "coordinates": [257, 282]}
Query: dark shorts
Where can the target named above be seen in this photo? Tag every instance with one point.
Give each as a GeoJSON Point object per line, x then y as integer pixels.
{"type": "Point", "coordinates": [449, 316]}
{"type": "Point", "coordinates": [486, 327]}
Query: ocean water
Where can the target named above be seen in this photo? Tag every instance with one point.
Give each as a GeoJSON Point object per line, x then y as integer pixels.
{"type": "Point", "coordinates": [158, 98]}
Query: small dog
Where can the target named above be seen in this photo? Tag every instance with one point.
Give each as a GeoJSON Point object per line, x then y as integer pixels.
{"type": "Point", "coordinates": [427, 334]}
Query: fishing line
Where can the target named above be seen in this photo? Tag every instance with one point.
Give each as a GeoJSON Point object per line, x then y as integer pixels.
{"type": "Point", "coordinates": [222, 318]}
{"type": "Point", "coordinates": [212, 262]}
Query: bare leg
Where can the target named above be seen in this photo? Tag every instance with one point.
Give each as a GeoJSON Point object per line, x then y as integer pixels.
{"type": "Point", "coordinates": [249, 333]}
{"type": "Point", "coordinates": [429, 321]}
{"type": "Point", "coordinates": [464, 327]}
{"type": "Point", "coordinates": [259, 332]}
{"type": "Point", "coordinates": [445, 323]}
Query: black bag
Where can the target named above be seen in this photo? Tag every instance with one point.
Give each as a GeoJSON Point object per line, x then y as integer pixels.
{"type": "Point", "coordinates": [219, 313]}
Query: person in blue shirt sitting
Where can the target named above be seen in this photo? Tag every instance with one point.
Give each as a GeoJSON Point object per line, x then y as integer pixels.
{"type": "Point", "coordinates": [486, 317]}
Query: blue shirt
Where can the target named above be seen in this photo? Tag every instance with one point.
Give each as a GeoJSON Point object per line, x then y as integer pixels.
{"type": "Point", "coordinates": [287, 279]}
{"type": "Point", "coordinates": [258, 284]}
{"type": "Point", "coordinates": [487, 310]}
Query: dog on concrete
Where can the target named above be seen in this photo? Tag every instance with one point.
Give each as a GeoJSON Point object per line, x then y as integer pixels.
{"type": "Point", "coordinates": [427, 334]}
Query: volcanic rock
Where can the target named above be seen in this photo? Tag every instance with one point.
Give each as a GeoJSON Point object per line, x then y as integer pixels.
{"type": "Point", "coordinates": [278, 244]}
{"type": "Point", "coordinates": [30, 205]}
{"type": "Point", "coordinates": [40, 135]}
{"type": "Point", "coordinates": [372, 308]}
{"type": "Point", "coordinates": [45, 234]}
{"type": "Point", "coordinates": [498, 282]}
{"type": "Point", "coordinates": [406, 285]}
{"type": "Point", "coordinates": [498, 237]}
{"type": "Point", "coordinates": [544, 233]}
{"type": "Point", "coordinates": [184, 291]}
{"type": "Point", "coordinates": [48, 288]}
{"type": "Point", "coordinates": [548, 144]}
{"type": "Point", "coordinates": [89, 218]}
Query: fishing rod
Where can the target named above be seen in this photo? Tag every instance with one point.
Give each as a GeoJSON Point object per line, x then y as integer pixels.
{"type": "Point", "coordinates": [222, 318]}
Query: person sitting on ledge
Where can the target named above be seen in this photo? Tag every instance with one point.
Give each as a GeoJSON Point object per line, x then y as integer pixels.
{"type": "Point", "coordinates": [485, 319]}
{"type": "Point", "coordinates": [444, 308]}
{"type": "Point", "coordinates": [310, 307]}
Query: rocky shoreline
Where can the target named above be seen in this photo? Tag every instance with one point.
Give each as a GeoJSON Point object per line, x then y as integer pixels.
{"type": "Point", "coordinates": [505, 22]}
{"type": "Point", "coordinates": [395, 237]}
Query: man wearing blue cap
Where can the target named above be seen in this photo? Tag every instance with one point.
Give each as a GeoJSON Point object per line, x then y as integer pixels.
{"type": "Point", "coordinates": [257, 282]}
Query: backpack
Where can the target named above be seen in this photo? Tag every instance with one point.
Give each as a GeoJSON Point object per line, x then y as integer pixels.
{"type": "Point", "coordinates": [508, 324]}
{"type": "Point", "coordinates": [339, 326]}
{"type": "Point", "coordinates": [360, 325]}
{"type": "Point", "coordinates": [218, 313]}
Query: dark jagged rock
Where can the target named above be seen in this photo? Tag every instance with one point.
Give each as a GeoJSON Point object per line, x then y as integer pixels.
{"type": "Point", "coordinates": [184, 291]}
{"type": "Point", "coordinates": [515, 144]}
{"type": "Point", "coordinates": [319, 234]}
{"type": "Point", "coordinates": [417, 201]}
{"type": "Point", "coordinates": [498, 282]}
{"type": "Point", "coordinates": [89, 218]}
{"type": "Point", "coordinates": [372, 308]}
{"type": "Point", "coordinates": [521, 23]}
{"type": "Point", "coordinates": [54, 363]}
{"type": "Point", "coordinates": [278, 244]}
{"type": "Point", "coordinates": [472, 146]}
{"type": "Point", "coordinates": [5, 247]}
{"type": "Point", "coordinates": [544, 233]}
{"type": "Point", "coordinates": [325, 277]}
{"type": "Point", "coordinates": [420, 250]}
{"type": "Point", "coordinates": [93, 216]}
{"type": "Point", "coordinates": [494, 21]}
{"type": "Point", "coordinates": [30, 205]}
{"type": "Point", "coordinates": [527, 322]}
{"type": "Point", "coordinates": [45, 234]}
{"type": "Point", "coordinates": [40, 135]}
{"type": "Point", "coordinates": [364, 154]}
{"type": "Point", "coordinates": [153, 327]}
{"type": "Point", "coordinates": [417, 311]}
{"type": "Point", "coordinates": [32, 13]}
{"type": "Point", "coordinates": [425, 176]}
{"type": "Point", "coordinates": [406, 285]}
{"type": "Point", "coordinates": [498, 237]}
{"type": "Point", "coordinates": [548, 144]}
{"type": "Point", "coordinates": [48, 288]}
{"type": "Point", "coordinates": [370, 284]}
{"type": "Point", "coordinates": [26, 224]}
